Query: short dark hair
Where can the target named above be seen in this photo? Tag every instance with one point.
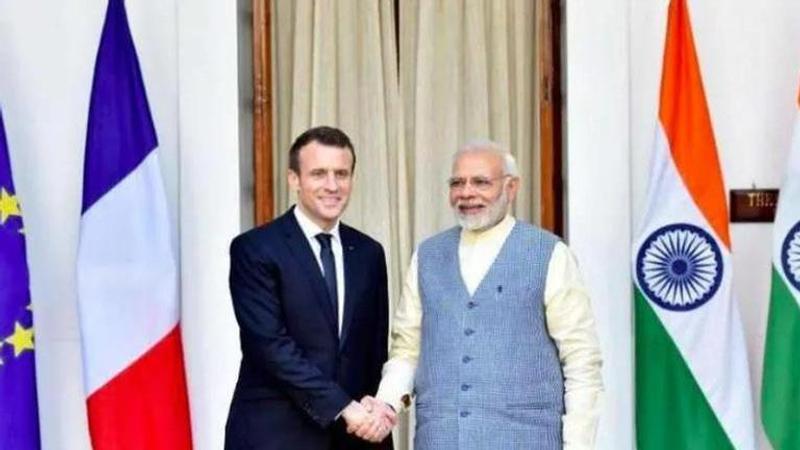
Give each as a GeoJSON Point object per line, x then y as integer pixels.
{"type": "Point", "coordinates": [331, 136]}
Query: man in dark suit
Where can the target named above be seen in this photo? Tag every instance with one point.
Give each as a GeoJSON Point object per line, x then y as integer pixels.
{"type": "Point", "coordinates": [310, 297]}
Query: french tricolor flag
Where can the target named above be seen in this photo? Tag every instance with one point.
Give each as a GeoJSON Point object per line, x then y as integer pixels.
{"type": "Point", "coordinates": [127, 273]}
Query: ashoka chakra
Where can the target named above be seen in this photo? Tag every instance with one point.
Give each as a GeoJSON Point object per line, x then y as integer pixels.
{"type": "Point", "coordinates": [790, 256]}
{"type": "Point", "coordinates": [679, 267]}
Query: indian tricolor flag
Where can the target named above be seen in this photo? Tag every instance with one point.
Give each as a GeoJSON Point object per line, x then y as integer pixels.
{"type": "Point", "coordinates": [692, 381]}
{"type": "Point", "coordinates": [127, 273]}
{"type": "Point", "coordinates": [780, 391]}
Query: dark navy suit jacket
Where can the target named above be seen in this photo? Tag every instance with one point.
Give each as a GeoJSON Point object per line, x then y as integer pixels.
{"type": "Point", "coordinates": [296, 373]}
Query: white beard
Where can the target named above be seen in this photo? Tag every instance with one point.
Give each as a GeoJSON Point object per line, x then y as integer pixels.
{"type": "Point", "coordinates": [490, 217]}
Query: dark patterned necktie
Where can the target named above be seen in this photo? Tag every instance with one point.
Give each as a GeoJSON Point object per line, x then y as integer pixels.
{"type": "Point", "coordinates": [329, 269]}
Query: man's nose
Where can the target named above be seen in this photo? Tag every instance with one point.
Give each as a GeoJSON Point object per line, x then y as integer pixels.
{"type": "Point", "coordinates": [465, 194]}
{"type": "Point", "coordinates": [330, 182]}
{"type": "Point", "coordinates": [468, 190]}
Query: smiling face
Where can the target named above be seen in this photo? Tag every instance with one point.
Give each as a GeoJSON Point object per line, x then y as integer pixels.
{"type": "Point", "coordinates": [323, 183]}
{"type": "Point", "coordinates": [480, 191]}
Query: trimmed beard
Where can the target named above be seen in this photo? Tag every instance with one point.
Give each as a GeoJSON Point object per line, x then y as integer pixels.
{"type": "Point", "coordinates": [493, 214]}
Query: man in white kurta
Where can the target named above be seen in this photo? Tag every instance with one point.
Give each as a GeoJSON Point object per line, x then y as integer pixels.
{"type": "Point", "coordinates": [482, 187]}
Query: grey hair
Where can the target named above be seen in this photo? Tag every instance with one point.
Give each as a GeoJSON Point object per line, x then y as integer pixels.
{"type": "Point", "coordinates": [485, 145]}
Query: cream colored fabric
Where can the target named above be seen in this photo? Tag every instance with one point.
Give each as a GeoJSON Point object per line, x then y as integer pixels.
{"type": "Point", "coordinates": [335, 63]}
{"type": "Point", "coordinates": [466, 71]}
{"type": "Point", "coordinates": [569, 318]}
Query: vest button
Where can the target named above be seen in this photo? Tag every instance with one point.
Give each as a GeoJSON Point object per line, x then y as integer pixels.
{"type": "Point", "coordinates": [465, 387]}
{"type": "Point", "coordinates": [468, 332]}
{"type": "Point", "coordinates": [471, 305]}
{"type": "Point", "coordinates": [466, 359]}
{"type": "Point", "coordinates": [464, 413]}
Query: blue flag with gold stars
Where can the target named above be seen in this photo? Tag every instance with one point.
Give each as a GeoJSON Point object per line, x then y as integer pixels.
{"type": "Point", "coordinates": [19, 414]}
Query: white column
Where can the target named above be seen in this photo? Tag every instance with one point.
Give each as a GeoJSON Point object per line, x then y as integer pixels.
{"type": "Point", "coordinates": [209, 207]}
{"type": "Point", "coordinates": [598, 192]}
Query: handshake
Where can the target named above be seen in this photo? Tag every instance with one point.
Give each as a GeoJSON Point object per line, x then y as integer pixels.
{"type": "Point", "coordinates": [371, 419]}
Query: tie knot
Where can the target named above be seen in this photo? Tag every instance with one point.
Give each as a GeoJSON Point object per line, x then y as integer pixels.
{"type": "Point", "coordinates": [324, 240]}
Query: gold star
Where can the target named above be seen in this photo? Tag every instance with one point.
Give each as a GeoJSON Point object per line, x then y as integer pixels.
{"type": "Point", "coordinates": [22, 339]}
{"type": "Point", "coordinates": [8, 206]}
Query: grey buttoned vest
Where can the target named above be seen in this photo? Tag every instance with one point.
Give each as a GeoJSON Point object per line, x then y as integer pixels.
{"type": "Point", "coordinates": [488, 377]}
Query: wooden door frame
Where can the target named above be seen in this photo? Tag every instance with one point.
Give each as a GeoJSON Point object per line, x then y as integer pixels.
{"type": "Point", "coordinates": [548, 60]}
{"type": "Point", "coordinates": [263, 180]}
{"type": "Point", "coordinates": [548, 79]}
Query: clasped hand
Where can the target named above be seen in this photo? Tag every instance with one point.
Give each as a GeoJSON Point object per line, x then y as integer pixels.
{"type": "Point", "coordinates": [371, 419]}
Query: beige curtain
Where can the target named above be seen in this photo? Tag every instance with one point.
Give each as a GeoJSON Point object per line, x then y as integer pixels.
{"type": "Point", "coordinates": [335, 63]}
{"type": "Point", "coordinates": [466, 72]}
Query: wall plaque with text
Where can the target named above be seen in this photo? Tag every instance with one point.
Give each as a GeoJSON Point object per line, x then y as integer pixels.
{"type": "Point", "coordinates": [753, 205]}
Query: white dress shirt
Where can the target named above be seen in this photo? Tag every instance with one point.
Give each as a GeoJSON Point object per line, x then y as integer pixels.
{"type": "Point", "coordinates": [568, 316]}
{"type": "Point", "coordinates": [311, 230]}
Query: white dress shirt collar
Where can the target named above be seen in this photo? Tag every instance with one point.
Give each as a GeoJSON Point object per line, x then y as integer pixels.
{"type": "Point", "coordinates": [311, 229]}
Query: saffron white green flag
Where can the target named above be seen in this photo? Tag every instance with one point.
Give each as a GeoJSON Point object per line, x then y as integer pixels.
{"type": "Point", "coordinates": [692, 380]}
{"type": "Point", "coordinates": [780, 391]}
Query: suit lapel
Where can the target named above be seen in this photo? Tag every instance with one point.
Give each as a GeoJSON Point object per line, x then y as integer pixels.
{"type": "Point", "coordinates": [352, 265]}
{"type": "Point", "coordinates": [304, 255]}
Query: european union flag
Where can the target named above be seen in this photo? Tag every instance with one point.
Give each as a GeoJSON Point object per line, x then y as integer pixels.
{"type": "Point", "coordinates": [19, 415]}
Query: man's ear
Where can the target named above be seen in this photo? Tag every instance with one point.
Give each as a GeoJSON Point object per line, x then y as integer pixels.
{"type": "Point", "coordinates": [294, 179]}
{"type": "Point", "coordinates": [512, 187]}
